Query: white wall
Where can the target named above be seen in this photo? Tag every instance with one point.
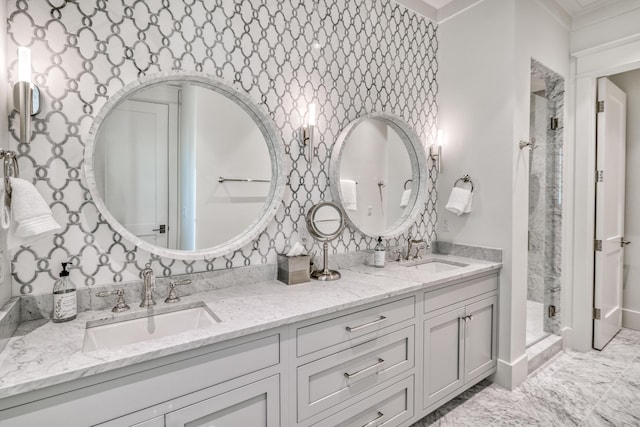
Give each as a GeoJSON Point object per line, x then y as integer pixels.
{"type": "Point", "coordinates": [484, 71]}
{"type": "Point", "coordinates": [630, 83]}
{"type": "Point", "coordinates": [605, 26]}
{"type": "Point", "coordinates": [5, 104]}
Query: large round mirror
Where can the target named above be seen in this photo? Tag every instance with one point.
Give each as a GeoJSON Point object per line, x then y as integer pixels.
{"type": "Point", "coordinates": [185, 166]}
{"type": "Point", "coordinates": [378, 174]}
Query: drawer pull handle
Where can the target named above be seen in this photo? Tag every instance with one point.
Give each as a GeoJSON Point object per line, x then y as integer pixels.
{"type": "Point", "coordinates": [357, 328]}
{"type": "Point", "coordinates": [363, 370]}
{"type": "Point", "coordinates": [372, 422]}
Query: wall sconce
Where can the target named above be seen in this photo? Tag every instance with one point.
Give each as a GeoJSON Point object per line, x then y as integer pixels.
{"type": "Point", "coordinates": [307, 131]}
{"type": "Point", "coordinates": [435, 151]}
{"type": "Point", "coordinates": [26, 95]}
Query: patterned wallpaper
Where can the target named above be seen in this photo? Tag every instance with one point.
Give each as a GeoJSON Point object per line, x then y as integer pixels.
{"type": "Point", "coordinates": [349, 57]}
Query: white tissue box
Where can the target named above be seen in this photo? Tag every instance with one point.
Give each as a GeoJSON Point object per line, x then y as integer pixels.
{"type": "Point", "coordinates": [294, 269]}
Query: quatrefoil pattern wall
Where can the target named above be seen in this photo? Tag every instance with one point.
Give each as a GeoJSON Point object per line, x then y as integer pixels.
{"type": "Point", "coordinates": [349, 57]}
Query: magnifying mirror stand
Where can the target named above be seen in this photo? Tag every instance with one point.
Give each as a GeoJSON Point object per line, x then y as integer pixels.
{"type": "Point", "coordinates": [325, 274]}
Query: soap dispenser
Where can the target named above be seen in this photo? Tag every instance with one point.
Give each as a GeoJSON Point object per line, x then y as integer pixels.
{"type": "Point", "coordinates": [379, 254]}
{"type": "Point", "coordinates": [65, 303]}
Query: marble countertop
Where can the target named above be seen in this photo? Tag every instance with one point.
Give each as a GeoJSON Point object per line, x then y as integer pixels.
{"type": "Point", "coordinates": [42, 353]}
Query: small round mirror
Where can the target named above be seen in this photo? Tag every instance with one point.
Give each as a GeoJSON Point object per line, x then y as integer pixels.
{"type": "Point", "coordinates": [325, 222]}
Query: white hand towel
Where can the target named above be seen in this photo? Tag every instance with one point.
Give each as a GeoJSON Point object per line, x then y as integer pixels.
{"type": "Point", "coordinates": [467, 208]}
{"type": "Point", "coordinates": [404, 200]}
{"type": "Point", "coordinates": [31, 217]}
{"type": "Point", "coordinates": [460, 201]}
{"type": "Point", "coordinates": [349, 194]}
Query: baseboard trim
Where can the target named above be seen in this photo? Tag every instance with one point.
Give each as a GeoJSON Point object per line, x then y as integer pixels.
{"type": "Point", "coordinates": [631, 319]}
{"type": "Point", "coordinates": [511, 375]}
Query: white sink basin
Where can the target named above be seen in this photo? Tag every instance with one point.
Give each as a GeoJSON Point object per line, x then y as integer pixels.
{"type": "Point", "coordinates": [438, 266]}
{"type": "Point", "coordinates": [435, 265]}
{"type": "Point", "coordinates": [144, 326]}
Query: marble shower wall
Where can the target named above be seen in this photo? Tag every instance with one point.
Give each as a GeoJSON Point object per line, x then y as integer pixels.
{"type": "Point", "coordinates": [350, 58]}
{"type": "Point", "coordinates": [545, 195]}
{"type": "Point", "coordinates": [537, 198]}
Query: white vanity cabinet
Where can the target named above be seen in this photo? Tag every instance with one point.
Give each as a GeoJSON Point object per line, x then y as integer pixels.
{"type": "Point", "coordinates": [345, 365]}
{"type": "Point", "coordinates": [459, 338]}
{"type": "Point", "coordinates": [386, 363]}
{"type": "Point", "coordinates": [238, 380]}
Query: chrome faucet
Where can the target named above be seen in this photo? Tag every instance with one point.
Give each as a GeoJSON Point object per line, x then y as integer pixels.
{"type": "Point", "coordinates": [410, 242]}
{"type": "Point", "coordinates": [149, 281]}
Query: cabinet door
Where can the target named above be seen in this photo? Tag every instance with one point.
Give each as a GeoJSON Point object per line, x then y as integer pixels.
{"type": "Point", "coordinates": [481, 330]}
{"type": "Point", "coordinates": [255, 405]}
{"type": "Point", "coordinates": [443, 355]}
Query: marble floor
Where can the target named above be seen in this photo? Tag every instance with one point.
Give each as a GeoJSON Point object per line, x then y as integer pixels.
{"type": "Point", "coordinates": [598, 388]}
{"type": "Point", "coordinates": [535, 322]}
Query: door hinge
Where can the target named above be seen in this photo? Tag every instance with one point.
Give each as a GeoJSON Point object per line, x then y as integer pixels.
{"type": "Point", "coordinates": [552, 311]}
{"type": "Point", "coordinates": [600, 176]}
{"type": "Point", "coordinates": [600, 106]}
{"type": "Point", "coordinates": [162, 229]}
{"type": "Point", "coordinates": [554, 123]}
{"type": "Point", "coordinates": [597, 245]}
{"type": "Point", "coordinates": [596, 313]}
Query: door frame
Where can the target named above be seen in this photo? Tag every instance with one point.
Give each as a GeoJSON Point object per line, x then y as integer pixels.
{"type": "Point", "coordinates": [587, 67]}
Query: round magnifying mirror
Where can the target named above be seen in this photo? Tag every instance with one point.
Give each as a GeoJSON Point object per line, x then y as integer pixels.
{"type": "Point", "coordinates": [378, 175]}
{"type": "Point", "coordinates": [325, 222]}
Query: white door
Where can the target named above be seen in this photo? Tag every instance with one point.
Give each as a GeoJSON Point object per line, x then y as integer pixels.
{"type": "Point", "coordinates": [610, 174]}
{"type": "Point", "coordinates": [136, 141]}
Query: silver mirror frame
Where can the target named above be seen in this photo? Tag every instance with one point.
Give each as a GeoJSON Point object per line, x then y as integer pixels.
{"type": "Point", "coordinates": [324, 274]}
{"type": "Point", "coordinates": [313, 228]}
{"type": "Point", "coordinates": [279, 164]}
{"type": "Point", "coordinates": [419, 172]}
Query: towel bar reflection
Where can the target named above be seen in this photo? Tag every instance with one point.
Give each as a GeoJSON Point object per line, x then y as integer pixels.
{"type": "Point", "coordinates": [221, 179]}
{"type": "Point", "coordinates": [11, 169]}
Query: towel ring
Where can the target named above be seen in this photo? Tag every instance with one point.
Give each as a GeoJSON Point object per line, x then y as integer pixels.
{"type": "Point", "coordinates": [406, 182]}
{"type": "Point", "coordinates": [465, 178]}
{"type": "Point", "coordinates": [10, 170]}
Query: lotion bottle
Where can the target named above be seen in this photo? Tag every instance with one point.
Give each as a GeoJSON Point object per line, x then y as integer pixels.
{"type": "Point", "coordinates": [65, 302]}
{"type": "Point", "coordinates": [379, 254]}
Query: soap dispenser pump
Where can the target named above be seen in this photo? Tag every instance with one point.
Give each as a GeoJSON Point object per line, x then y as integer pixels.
{"type": "Point", "coordinates": [65, 302]}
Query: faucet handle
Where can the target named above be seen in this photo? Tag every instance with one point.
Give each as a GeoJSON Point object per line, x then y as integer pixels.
{"type": "Point", "coordinates": [397, 252]}
{"type": "Point", "coordinates": [121, 305]}
{"type": "Point", "coordinates": [173, 295]}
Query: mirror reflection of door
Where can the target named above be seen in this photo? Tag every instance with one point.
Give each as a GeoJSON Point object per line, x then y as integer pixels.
{"type": "Point", "coordinates": [134, 177]}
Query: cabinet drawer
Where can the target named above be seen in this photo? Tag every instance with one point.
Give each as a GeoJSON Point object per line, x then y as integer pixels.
{"type": "Point", "coordinates": [333, 379]}
{"type": "Point", "coordinates": [172, 384]}
{"type": "Point", "coordinates": [389, 407]}
{"type": "Point", "coordinates": [254, 405]}
{"type": "Point", "coordinates": [443, 297]}
{"type": "Point", "coordinates": [341, 329]}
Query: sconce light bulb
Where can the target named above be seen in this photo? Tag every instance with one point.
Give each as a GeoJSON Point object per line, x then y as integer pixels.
{"type": "Point", "coordinates": [24, 64]}
{"type": "Point", "coordinates": [311, 118]}
{"type": "Point", "coordinates": [440, 137]}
